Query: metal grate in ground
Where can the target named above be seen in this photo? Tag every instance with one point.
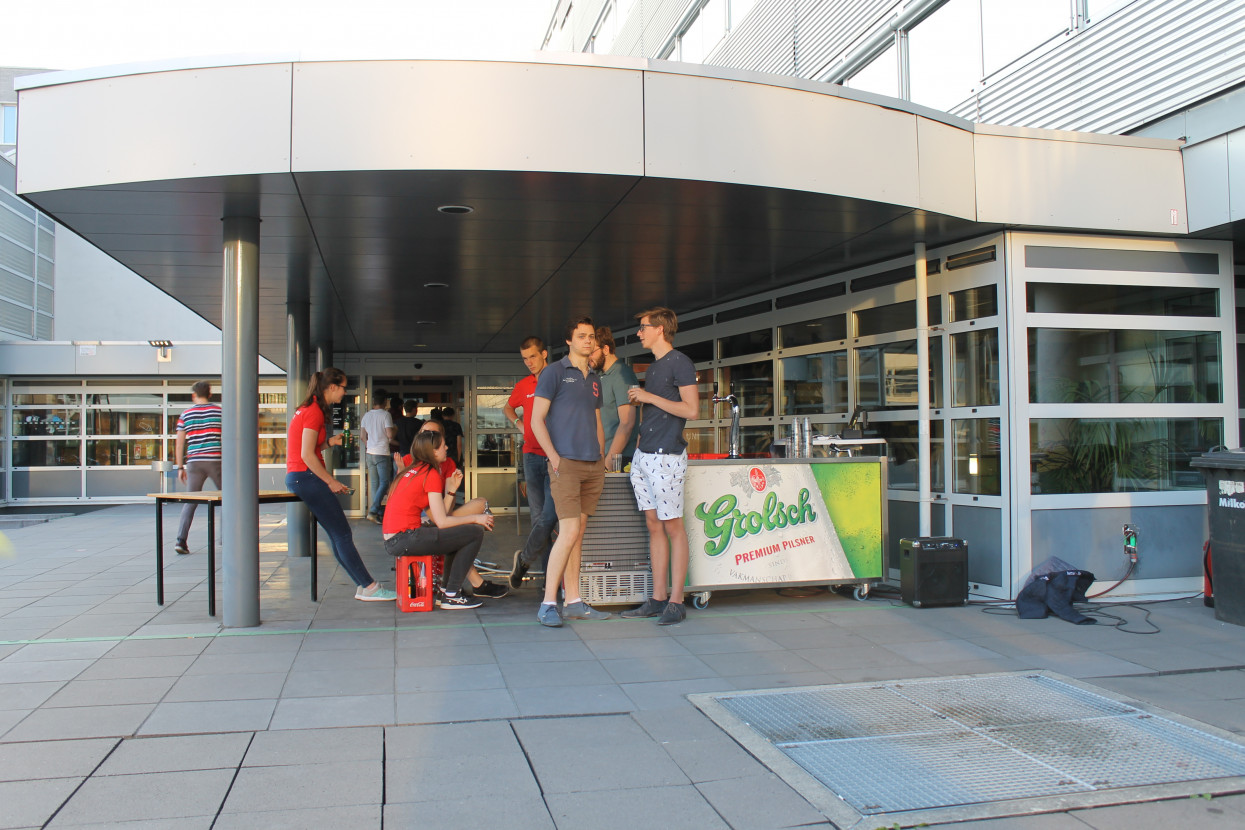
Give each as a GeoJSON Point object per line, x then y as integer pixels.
{"type": "Point", "coordinates": [947, 749]}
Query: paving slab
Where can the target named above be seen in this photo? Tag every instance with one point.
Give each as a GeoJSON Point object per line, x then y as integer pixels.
{"type": "Point", "coordinates": [192, 687]}
{"type": "Point", "coordinates": [315, 746]}
{"type": "Point", "coordinates": [518, 812]}
{"type": "Point", "coordinates": [626, 809]}
{"type": "Point", "coordinates": [159, 795]}
{"type": "Point", "coordinates": [177, 753]}
{"type": "Point", "coordinates": [209, 716]}
{"type": "Point", "coordinates": [443, 707]}
{"type": "Point", "coordinates": [342, 710]}
{"type": "Point", "coordinates": [111, 692]}
{"type": "Point", "coordinates": [52, 759]}
{"type": "Point", "coordinates": [573, 755]}
{"type": "Point", "coordinates": [1163, 815]}
{"type": "Point", "coordinates": [32, 803]}
{"type": "Point", "coordinates": [448, 678]}
{"type": "Point", "coordinates": [338, 682]}
{"type": "Point", "coordinates": [357, 816]}
{"type": "Point", "coordinates": [335, 784]}
{"type": "Point", "coordinates": [80, 722]}
{"type": "Point", "coordinates": [760, 802]}
{"type": "Point", "coordinates": [538, 701]}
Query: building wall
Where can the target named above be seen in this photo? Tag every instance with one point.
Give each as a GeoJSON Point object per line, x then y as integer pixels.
{"type": "Point", "coordinates": [101, 299]}
{"type": "Point", "coordinates": [1089, 65]}
{"type": "Point", "coordinates": [27, 265]}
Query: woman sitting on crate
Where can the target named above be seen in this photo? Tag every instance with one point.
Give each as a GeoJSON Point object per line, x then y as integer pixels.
{"type": "Point", "coordinates": [418, 487]}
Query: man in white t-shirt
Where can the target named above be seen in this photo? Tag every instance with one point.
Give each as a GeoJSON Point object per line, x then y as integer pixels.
{"type": "Point", "coordinates": [377, 430]}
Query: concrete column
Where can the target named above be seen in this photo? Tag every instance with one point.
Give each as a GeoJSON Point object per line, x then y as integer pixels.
{"type": "Point", "coordinates": [297, 362]}
{"type": "Point", "coordinates": [240, 421]}
{"type": "Point", "coordinates": [922, 388]}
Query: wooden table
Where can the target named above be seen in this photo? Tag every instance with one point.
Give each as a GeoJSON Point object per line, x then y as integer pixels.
{"type": "Point", "coordinates": [213, 498]}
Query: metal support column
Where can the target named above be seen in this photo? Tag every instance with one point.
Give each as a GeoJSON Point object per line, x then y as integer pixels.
{"type": "Point", "coordinates": [298, 352]}
{"type": "Point", "coordinates": [240, 421]}
{"type": "Point", "coordinates": [922, 388]}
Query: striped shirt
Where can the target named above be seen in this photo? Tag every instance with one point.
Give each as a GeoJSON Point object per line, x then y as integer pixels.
{"type": "Point", "coordinates": [201, 423]}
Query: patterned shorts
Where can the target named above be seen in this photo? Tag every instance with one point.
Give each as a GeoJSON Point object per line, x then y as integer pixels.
{"type": "Point", "coordinates": [657, 480]}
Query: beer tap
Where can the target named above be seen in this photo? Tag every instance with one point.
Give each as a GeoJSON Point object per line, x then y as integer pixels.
{"type": "Point", "coordinates": [733, 443]}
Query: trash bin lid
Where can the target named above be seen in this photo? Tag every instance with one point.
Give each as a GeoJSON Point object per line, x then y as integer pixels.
{"type": "Point", "coordinates": [1224, 459]}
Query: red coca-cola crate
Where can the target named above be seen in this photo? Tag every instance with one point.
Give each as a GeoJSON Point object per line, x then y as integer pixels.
{"type": "Point", "coordinates": [416, 576]}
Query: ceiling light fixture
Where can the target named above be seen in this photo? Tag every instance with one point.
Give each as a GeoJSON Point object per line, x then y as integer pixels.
{"type": "Point", "coordinates": [425, 322]}
{"type": "Point", "coordinates": [436, 285]}
{"type": "Point", "coordinates": [456, 210]}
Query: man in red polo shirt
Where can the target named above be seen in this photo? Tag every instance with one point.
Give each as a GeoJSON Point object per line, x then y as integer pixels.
{"type": "Point", "coordinates": [535, 465]}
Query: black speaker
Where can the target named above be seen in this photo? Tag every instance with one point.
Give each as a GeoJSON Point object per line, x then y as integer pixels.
{"type": "Point", "coordinates": [933, 570]}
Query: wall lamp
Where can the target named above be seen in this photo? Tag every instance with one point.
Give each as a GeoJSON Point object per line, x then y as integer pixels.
{"type": "Point", "coordinates": [164, 350]}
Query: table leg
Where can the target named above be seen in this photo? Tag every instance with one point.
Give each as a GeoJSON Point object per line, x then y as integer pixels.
{"type": "Point", "coordinates": [159, 552]}
{"type": "Point", "coordinates": [315, 591]}
{"type": "Point", "coordinates": [211, 559]}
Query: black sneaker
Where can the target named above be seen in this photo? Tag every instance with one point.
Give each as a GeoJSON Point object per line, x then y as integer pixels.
{"type": "Point", "coordinates": [650, 608]}
{"type": "Point", "coordinates": [518, 570]}
{"type": "Point", "coordinates": [459, 601]}
{"type": "Point", "coordinates": [490, 590]}
{"type": "Point", "coordinates": [372, 517]}
{"type": "Point", "coordinates": [675, 613]}
{"type": "Point", "coordinates": [181, 548]}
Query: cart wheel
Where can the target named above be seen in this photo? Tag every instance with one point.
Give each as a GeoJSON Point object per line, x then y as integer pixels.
{"type": "Point", "coordinates": [701, 600]}
{"type": "Point", "coordinates": [860, 593]}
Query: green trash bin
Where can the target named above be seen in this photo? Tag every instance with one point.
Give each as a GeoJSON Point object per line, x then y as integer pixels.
{"type": "Point", "coordinates": [1225, 508]}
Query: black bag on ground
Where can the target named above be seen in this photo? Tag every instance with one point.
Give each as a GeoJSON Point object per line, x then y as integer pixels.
{"type": "Point", "coordinates": [1054, 593]}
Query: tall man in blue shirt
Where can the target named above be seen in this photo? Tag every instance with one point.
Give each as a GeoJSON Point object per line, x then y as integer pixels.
{"type": "Point", "coordinates": [566, 420]}
{"type": "Point", "coordinates": [670, 396]}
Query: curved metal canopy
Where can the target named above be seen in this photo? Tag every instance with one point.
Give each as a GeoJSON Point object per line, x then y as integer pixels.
{"type": "Point", "coordinates": [598, 187]}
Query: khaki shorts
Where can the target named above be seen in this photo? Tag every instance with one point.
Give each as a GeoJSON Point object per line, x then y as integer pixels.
{"type": "Point", "coordinates": [576, 487]}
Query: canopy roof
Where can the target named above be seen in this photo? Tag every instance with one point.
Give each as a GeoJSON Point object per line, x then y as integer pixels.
{"type": "Point", "coordinates": [597, 187]}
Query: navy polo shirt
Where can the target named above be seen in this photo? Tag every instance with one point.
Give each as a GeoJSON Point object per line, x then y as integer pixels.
{"type": "Point", "coordinates": [573, 403]}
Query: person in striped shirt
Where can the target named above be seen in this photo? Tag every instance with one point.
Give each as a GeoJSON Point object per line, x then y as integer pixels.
{"type": "Point", "coordinates": [198, 452]}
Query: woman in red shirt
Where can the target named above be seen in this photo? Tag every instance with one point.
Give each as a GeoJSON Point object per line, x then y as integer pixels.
{"type": "Point", "coordinates": [308, 478]}
{"type": "Point", "coordinates": [418, 487]}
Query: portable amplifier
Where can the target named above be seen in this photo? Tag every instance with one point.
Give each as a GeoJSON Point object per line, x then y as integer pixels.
{"type": "Point", "coordinates": [933, 570]}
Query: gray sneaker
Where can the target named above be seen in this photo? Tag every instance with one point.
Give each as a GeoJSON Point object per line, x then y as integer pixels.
{"type": "Point", "coordinates": [549, 616]}
{"type": "Point", "coordinates": [583, 611]}
{"type": "Point", "coordinates": [650, 608]}
{"type": "Point", "coordinates": [675, 613]}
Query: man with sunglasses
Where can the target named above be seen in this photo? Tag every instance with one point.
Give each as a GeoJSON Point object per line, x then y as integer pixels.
{"type": "Point", "coordinates": [670, 396]}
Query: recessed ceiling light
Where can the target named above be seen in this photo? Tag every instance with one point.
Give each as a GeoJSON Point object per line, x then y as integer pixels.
{"type": "Point", "coordinates": [425, 322]}
{"type": "Point", "coordinates": [436, 285]}
{"type": "Point", "coordinates": [419, 345]}
{"type": "Point", "coordinates": [456, 209]}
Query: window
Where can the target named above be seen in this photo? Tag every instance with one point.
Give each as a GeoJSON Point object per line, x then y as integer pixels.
{"type": "Point", "coordinates": [1010, 30]}
{"type": "Point", "coordinates": [1125, 455]}
{"type": "Point", "coordinates": [1124, 366]}
{"type": "Point", "coordinates": [704, 34]}
{"type": "Point", "coordinates": [975, 368]}
{"type": "Point", "coordinates": [977, 448]}
{"type": "Point", "coordinates": [887, 379]}
{"type": "Point", "coordinates": [880, 76]}
{"type": "Point", "coordinates": [1081, 298]}
{"type": "Point", "coordinates": [814, 384]}
{"type": "Point", "coordinates": [944, 55]}
{"type": "Point", "coordinates": [8, 114]}
{"type": "Point", "coordinates": [821, 330]}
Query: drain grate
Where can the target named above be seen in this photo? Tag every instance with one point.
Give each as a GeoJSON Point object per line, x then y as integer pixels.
{"type": "Point", "coordinates": [979, 746]}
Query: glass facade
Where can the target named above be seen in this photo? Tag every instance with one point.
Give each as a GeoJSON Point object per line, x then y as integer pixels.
{"type": "Point", "coordinates": [99, 438]}
{"type": "Point", "coordinates": [1119, 455]}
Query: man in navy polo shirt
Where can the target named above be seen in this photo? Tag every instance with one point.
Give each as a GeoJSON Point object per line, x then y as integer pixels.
{"type": "Point", "coordinates": [566, 420]}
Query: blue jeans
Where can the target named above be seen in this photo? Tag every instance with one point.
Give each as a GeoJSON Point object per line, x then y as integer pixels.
{"type": "Point", "coordinates": [323, 504]}
{"type": "Point", "coordinates": [544, 514]}
{"type": "Point", "coordinates": [379, 474]}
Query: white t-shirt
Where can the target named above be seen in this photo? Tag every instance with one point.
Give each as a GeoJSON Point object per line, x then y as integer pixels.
{"type": "Point", "coordinates": [374, 423]}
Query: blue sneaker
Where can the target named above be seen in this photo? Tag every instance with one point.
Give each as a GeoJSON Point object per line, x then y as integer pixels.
{"type": "Point", "coordinates": [549, 616]}
{"type": "Point", "coordinates": [583, 611]}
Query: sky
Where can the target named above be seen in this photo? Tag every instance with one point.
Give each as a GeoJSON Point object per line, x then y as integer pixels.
{"type": "Point", "coordinates": [75, 34]}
